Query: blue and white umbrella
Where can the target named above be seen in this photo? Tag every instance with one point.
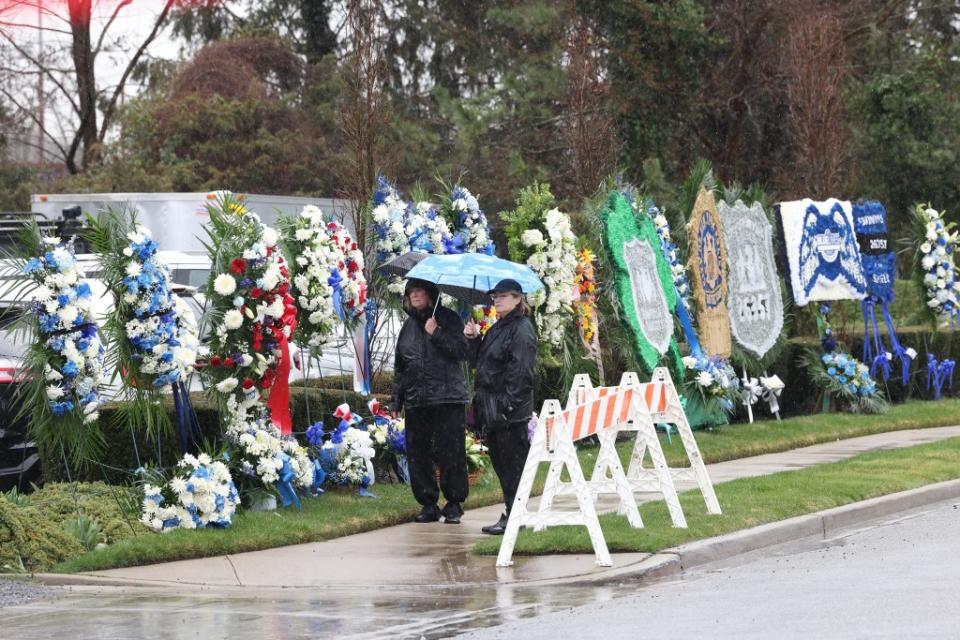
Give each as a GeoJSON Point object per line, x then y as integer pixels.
{"type": "Point", "coordinates": [468, 276]}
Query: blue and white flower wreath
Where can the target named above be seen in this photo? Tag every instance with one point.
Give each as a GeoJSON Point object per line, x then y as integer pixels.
{"type": "Point", "coordinates": [67, 330]}
{"type": "Point", "coordinates": [160, 328]}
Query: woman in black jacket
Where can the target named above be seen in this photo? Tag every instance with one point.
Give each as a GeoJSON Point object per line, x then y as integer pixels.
{"type": "Point", "coordinates": [429, 384]}
{"type": "Point", "coordinates": [503, 401]}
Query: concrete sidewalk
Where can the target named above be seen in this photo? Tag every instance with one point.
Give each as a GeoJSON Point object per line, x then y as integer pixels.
{"type": "Point", "coordinates": [437, 555]}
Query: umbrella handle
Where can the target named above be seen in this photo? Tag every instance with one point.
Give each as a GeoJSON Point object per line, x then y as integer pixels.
{"type": "Point", "coordinates": [437, 303]}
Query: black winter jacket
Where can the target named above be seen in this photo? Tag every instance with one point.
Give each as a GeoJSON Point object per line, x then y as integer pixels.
{"type": "Point", "coordinates": [428, 369]}
{"type": "Point", "coordinates": [505, 358]}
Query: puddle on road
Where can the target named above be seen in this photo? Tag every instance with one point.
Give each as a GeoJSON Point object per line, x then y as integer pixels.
{"type": "Point", "coordinates": [192, 612]}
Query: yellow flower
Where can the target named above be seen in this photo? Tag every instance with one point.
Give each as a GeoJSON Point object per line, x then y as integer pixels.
{"type": "Point", "coordinates": [237, 208]}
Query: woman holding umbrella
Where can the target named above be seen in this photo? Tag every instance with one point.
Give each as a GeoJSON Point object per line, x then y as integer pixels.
{"type": "Point", "coordinates": [505, 358]}
{"type": "Point", "coordinates": [429, 383]}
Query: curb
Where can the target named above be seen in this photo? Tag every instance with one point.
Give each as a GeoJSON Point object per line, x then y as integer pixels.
{"type": "Point", "coordinates": [822, 525]}
{"type": "Point", "coordinates": [671, 561]}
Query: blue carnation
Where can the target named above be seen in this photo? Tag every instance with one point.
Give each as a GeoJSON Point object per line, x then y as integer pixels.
{"type": "Point", "coordinates": [315, 434]}
{"type": "Point", "coordinates": [33, 266]}
{"type": "Point", "coordinates": [61, 408]}
{"type": "Point", "coordinates": [49, 322]}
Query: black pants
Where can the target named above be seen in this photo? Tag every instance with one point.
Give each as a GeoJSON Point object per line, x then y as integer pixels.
{"type": "Point", "coordinates": [435, 436]}
{"type": "Point", "coordinates": [508, 452]}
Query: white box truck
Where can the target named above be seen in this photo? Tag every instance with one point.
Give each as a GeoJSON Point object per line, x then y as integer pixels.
{"type": "Point", "coordinates": [177, 220]}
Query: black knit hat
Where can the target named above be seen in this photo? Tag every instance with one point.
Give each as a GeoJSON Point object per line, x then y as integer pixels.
{"type": "Point", "coordinates": [415, 283]}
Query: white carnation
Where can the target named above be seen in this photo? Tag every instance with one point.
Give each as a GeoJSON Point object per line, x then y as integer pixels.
{"type": "Point", "coordinates": [233, 319]}
{"type": "Point", "coordinates": [224, 284]}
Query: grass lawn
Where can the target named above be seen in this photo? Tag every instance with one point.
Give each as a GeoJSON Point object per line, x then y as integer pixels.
{"type": "Point", "coordinates": [339, 512]}
{"type": "Point", "coordinates": [754, 501]}
{"type": "Point", "coordinates": [730, 442]}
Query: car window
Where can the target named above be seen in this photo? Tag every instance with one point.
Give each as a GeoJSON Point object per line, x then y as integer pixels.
{"type": "Point", "coordinates": [191, 277]}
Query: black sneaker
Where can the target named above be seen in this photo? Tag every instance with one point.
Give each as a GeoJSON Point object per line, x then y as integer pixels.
{"type": "Point", "coordinates": [428, 514]}
{"type": "Point", "coordinates": [452, 512]}
{"type": "Point", "coordinates": [498, 528]}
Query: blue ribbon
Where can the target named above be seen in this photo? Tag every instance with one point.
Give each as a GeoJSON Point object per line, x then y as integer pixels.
{"type": "Point", "coordinates": [938, 373]}
{"type": "Point", "coordinates": [285, 483]}
{"type": "Point", "coordinates": [898, 350]}
{"type": "Point", "coordinates": [335, 282]}
{"type": "Point", "coordinates": [188, 428]}
{"type": "Point", "coordinates": [368, 334]}
{"type": "Point", "coordinates": [319, 475]}
{"type": "Point", "coordinates": [688, 331]}
{"type": "Point", "coordinates": [363, 490]}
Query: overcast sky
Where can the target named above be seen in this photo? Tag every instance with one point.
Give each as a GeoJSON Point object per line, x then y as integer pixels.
{"type": "Point", "coordinates": [132, 25]}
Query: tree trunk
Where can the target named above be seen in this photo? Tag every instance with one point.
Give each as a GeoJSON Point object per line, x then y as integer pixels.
{"type": "Point", "coordinates": [85, 141]}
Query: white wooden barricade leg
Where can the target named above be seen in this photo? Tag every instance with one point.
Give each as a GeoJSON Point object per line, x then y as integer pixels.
{"type": "Point", "coordinates": [642, 479]}
{"type": "Point", "coordinates": [608, 475]}
{"type": "Point", "coordinates": [560, 449]}
{"type": "Point", "coordinates": [581, 390]}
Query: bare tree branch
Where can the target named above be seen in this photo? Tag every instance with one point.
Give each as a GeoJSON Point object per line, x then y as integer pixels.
{"type": "Point", "coordinates": [106, 27]}
{"type": "Point", "coordinates": [112, 105]}
{"type": "Point", "coordinates": [39, 65]}
{"type": "Point", "coordinates": [32, 116]}
{"type": "Point", "coordinates": [23, 25]}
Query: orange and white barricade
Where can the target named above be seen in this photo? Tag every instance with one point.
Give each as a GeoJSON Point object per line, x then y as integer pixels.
{"type": "Point", "coordinates": [663, 404]}
{"type": "Point", "coordinates": [608, 476]}
{"type": "Point", "coordinates": [552, 442]}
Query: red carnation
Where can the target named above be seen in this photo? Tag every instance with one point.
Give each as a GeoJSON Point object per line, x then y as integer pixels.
{"type": "Point", "coordinates": [228, 362]}
{"type": "Point", "coordinates": [256, 292]}
{"type": "Point", "coordinates": [353, 267]}
{"type": "Point", "coordinates": [215, 361]}
{"type": "Point", "coordinates": [269, 251]}
{"type": "Point", "coordinates": [238, 266]}
{"type": "Point", "coordinates": [353, 246]}
{"type": "Point", "coordinates": [247, 383]}
{"type": "Point", "coordinates": [267, 380]}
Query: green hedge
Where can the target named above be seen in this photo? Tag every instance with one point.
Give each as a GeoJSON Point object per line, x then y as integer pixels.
{"type": "Point", "coordinates": [125, 451]}
{"type": "Point", "coordinates": [33, 535]}
{"type": "Point", "coordinates": [802, 397]}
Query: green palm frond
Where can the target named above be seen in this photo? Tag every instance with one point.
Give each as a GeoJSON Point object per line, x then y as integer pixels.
{"type": "Point", "coordinates": [701, 175]}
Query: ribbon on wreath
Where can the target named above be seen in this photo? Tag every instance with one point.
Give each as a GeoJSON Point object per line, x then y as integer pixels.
{"type": "Point", "coordinates": [336, 283]}
{"type": "Point", "coordinates": [286, 476]}
{"type": "Point", "coordinates": [319, 475]}
{"type": "Point", "coordinates": [279, 400]}
{"type": "Point", "coordinates": [879, 269]}
{"type": "Point", "coordinates": [363, 335]}
{"type": "Point", "coordinates": [345, 414]}
{"type": "Point", "coordinates": [380, 415]}
{"type": "Point", "coordinates": [766, 388]}
{"type": "Point", "coordinates": [938, 373]}
{"type": "Point", "coordinates": [188, 428]}
{"type": "Point", "coordinates": [689, 333]}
